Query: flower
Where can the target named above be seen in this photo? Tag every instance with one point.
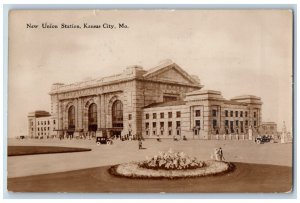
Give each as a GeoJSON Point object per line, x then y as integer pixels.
{"type": "Point", "coordinates": [172, 161]}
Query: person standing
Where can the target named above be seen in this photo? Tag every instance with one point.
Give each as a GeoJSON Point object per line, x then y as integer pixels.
{"type": "Point", "coordinates": [220, 155]}
{"type": "Point", "coordinates": [140, 144]}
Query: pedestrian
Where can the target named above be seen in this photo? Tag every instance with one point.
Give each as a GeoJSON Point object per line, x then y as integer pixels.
{"type": "Point", "coordinates": [216, 154]}
{"type": "Point", "coordinates": [220, 155]}
{"type": "Point", "coordinates": [140, 144]}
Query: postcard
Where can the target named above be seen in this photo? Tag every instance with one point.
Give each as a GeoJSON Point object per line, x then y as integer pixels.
{"type": "Point", "coordinates": [150, 101]}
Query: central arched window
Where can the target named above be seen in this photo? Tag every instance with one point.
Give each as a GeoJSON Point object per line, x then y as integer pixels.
{"type": "Point", "coordinates": [71, 117]}
{"type": "Point", "coordinates": [92, 114]}
{"type": "Point", "coordinates": [117, 114]}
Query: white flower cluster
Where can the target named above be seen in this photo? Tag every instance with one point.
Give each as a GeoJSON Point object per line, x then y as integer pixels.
{"type": "Point", "coordinates": [172, 161]}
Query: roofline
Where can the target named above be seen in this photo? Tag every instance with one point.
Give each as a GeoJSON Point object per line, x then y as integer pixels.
{"type": "Point", "coordinates": [122, 81]}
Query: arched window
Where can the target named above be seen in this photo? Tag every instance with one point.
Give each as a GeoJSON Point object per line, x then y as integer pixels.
{"type": "Point", "coordinates": [117, 114]}
{"type": "Point", "coordinates": [71, 117]}
{"type": "Point", "coordinates": [92, 114]}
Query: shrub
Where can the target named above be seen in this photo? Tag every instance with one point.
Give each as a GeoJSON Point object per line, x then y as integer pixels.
{"type": "Point", "coordinates": [172, 161]}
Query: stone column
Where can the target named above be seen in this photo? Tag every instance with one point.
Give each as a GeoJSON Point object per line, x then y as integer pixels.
{"type": "Point", "coordinates": [99, 115]}
{"type": "Point", "coordinates": [79, 113]}
{"type": "Point", "coordinates": [76, 133]}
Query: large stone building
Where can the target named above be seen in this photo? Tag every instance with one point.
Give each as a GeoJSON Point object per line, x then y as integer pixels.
{"type": "Point", "coordinates": [164, 101]}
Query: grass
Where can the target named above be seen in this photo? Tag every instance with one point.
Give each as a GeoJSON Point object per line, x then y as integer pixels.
{"type": "Point", "coordinates": [246, 178]}
{"type": "Point", "coordinates": [32, 150]}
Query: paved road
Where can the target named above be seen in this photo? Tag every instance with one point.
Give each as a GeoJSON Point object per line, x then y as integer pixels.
{"type": "Point", "coordinates": [121, 152]}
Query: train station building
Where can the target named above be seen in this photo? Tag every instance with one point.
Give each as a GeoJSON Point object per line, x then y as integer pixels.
{"type": "Point", "coordinates": [164, 101]}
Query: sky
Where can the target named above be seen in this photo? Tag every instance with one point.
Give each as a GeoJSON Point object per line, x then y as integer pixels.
{"type": "Point", "coordinates": [236, 52]}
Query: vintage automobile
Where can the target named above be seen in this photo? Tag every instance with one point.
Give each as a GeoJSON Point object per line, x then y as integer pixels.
{"type": "Point", "coordinates": [103, 140]}
{"type": "Point", "coordinates": [263, 138]}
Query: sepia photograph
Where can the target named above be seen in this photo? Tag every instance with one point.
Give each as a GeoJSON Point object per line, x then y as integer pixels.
{"type": "Point", "coordinates": [150, 101]}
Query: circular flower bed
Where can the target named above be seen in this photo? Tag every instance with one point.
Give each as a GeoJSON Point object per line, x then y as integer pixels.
{"type": "Point", "coordinates": [170, 165]}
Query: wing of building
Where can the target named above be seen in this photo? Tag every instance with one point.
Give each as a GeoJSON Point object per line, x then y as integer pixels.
{"type": "Point", "coordinates": [164, 101]}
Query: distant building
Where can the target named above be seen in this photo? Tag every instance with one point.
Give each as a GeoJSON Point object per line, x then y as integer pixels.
{"type": "Point", "coordinates": [268, 128]}
{"type": "Point", "coordinates": [164, 101]}
{"type": "Point", "coordinates": [41, 124]}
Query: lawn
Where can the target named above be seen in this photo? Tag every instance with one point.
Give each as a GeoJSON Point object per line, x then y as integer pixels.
{"type": "Point", "coordinates": [246, 178]}
{"type": "Point", "coordinates": [32, 150]}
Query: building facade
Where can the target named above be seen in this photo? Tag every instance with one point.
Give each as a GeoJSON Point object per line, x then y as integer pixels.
{"type": "Point", "coordinates": [114, 105]}
{"type": "Point", "coordinates": [203, 114]}
{"type": "Point", "coordinates": [269, 128]}
{"type": "Point", "coordinates": [41, 124]}
{"type": "Point", "coordinates": [164, 101]}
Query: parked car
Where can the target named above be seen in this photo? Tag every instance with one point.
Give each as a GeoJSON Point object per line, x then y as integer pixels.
{"type": "Point", "coordinates": [263, 138]}
{"type": "Point", "coordinates": [103, 140]}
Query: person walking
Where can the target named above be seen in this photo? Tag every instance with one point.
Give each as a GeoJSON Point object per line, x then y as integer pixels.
{"type": "Point", "coordinates": [140, 144]}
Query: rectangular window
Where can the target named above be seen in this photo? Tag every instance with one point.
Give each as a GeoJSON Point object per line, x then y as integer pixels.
{"type": "Point", "coordinates": [170, 114]}
{"type": "Point", "coordinates": [48, 128]}
{"type": "Point", "coordinates": [214, 112]}
{"type": "Point", "coordinates": [231, 127]}
{"type": "Point", "coordinates": [178, 114]}
{"type": "Point", "coordinates": [198, 113]}
{"type": "Point", "coordinates": [162, 115]}
{"type": "Point", "coordinates": [147, 125]}
{"type": "Point", "coordinates": [254, 114]}
{"type": "Point", "coordinates": [255, 123]}
{"type": "Point", "coordinates": [246, 114]}
{"type": "Point", "coordinates": [231, 113]}
{"type": "Point", "coordinates": [226, 113]}
{"type": "Point", "coordinates": [54, 122]}
{"type": "Point", "coordinates": [38, 129]}
{"type": "Point", "coordinates": [154, 124]}
{"type": "Point", "coordinates": [178, 127]}
{"type": "Point", "coordinates": [237, 123]}
{"type": "Point", "coordinates": [44, 128]}
{"type": "Point", "coordinates": [197, 124]}
{"type": "Point", "coordinates": [236, 114]}
{"type": "Point", "coordinates": [170, 124]}
{"type": "Point", "coordinates": [31, 129]}
{"type": "Point", "coordinates": [154, 115]}
{"type": "Point", "coordinates": [226, 123]}
{"type": "Point", "coordinates": [147, 116]}
{"type": "Point", "coordinates": [45, 122]}
{"type": "Point", "coordinates": [241, 114]}
{"type": "Point", "coordinates": [161, 128]}
{"type": "Point", "coordinates": [246, 123]}
{"type": "Point", "coordinates": [214, 123]}
{"type": "Point", "coordinates": [242, 127]}
{"type": "Point", "coordinates": [48, 122]}
{"type": "Point", "coordinates": [129, 116]}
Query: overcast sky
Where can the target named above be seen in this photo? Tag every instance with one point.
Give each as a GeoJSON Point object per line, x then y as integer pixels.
{"type": "Point", "coordinates": [235, 52]}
